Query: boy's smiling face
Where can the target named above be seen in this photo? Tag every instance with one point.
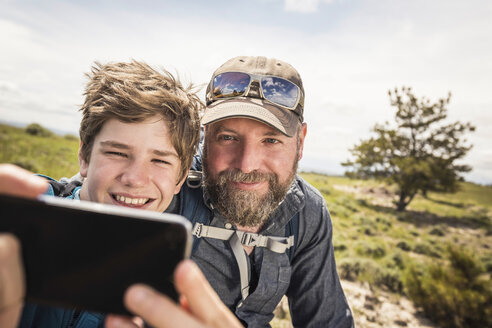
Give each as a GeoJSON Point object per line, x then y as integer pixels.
{"type": "Point", "coordinates": [132, 164]}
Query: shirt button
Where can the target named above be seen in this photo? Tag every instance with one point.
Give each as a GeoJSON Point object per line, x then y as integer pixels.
{"type": "Point", "coordinates": [228, 225]}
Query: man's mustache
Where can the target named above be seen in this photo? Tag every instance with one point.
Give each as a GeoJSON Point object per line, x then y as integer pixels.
{"type": "Point", "coordinates": [236, 175]}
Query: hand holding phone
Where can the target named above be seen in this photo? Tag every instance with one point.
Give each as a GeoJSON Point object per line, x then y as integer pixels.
{"type": "Point", "coordinates": [85, 255]}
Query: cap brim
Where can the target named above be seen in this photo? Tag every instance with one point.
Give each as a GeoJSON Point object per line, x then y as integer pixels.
{"type": "Point", "coordinates": [281, 119]}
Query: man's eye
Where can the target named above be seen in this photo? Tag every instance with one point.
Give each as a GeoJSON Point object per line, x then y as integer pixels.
{"type": "Point", "coordinates": [226, 137]}
{"type": "Point", "coordinates": [271, 140]}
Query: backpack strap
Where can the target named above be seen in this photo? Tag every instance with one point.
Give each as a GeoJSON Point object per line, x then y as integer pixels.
{"type": "Point", "coordinates": [242, 263]}
{"type": "Point", "coordinates": [192, 197]}
{"type": "Point", "coordinates": [292, 230]}
{"type": "Point", "coordinates": [61, 188]}
{"type": "Point", "coordinates": [191, 203]}
{"type": "Point", "coordinates": [237, 239]}
{"type": "Point", "coordinates": [275, 244]}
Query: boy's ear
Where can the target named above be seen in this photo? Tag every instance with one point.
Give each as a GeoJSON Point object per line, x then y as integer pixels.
{"type": "Point", "coordinates": [180, 184]}
{"type": "Point", "coordinates": [84, 166]}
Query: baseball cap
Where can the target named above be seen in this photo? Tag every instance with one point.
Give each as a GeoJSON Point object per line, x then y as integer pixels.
{"type": "Point", "coordinates": [252, 105]}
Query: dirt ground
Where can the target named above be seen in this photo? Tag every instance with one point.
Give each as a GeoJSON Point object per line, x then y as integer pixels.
{"type": "Point", "coordinates": [381, 309]}
{"type": "Point", "coordinates": [370, 309]}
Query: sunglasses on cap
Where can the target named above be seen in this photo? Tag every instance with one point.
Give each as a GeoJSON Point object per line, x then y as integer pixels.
{"type": "Point", "coordinates": [273, 89]}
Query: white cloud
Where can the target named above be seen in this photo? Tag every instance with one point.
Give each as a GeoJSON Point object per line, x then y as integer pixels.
{"type": "Point", "coordinates": [303, 6]}
{"type": "Point", "coordinates": [347, 66]}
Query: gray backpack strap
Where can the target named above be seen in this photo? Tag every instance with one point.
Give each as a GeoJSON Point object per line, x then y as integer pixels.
{"type": "Point", "coordinates": [275, 244]}
{"type": "Point", "coordinates": [201, 230]}
{"type": "Point", "coordinates": [237, 239]}
{"type": "Point", "coordinates": [242, 263]}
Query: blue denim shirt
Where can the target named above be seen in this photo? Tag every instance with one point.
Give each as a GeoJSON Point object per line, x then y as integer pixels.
{"type": "Point", "coordinates": [310, 281]}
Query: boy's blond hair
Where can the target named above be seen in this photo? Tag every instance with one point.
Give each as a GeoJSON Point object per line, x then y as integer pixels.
{"type": "Point", "coordinates": [133, 92]}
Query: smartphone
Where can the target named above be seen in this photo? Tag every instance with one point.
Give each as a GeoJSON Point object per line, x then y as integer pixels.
{"type": "Point", "coordinates": [85, 255]}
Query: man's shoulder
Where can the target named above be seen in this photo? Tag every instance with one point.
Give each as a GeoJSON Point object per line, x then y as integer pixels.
{"type": "Point", "coordinates": [311, 194]}
{"type": "Point", "coordinates": [314, 213]}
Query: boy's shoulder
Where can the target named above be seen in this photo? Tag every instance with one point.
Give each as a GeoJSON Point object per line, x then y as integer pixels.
{"type": "Point", "coordinates": [63, 188]}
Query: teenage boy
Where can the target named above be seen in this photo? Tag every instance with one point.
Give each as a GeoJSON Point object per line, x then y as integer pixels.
{"type": "Point", "coordinates": [139, 132]}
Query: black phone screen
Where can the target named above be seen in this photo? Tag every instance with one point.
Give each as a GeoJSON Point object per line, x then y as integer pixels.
{"type": "Point", "coordinates": [87, 257]}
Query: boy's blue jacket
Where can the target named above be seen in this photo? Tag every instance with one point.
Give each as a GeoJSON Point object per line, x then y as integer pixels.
{"type": "Point", "coordinates": [34, 315]}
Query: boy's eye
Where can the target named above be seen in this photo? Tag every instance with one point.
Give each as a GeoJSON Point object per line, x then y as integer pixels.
{"type": "Point", "coordinates": [160, 161]}
{"type": "Point", "coordinates": [116, 153]}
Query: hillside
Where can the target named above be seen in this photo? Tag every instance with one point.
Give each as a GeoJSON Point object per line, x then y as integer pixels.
{"type": "Point", "coordinates": [46, 152]}
{"type": "Point", "coordinates": [433, 260]}
{"type": "Point", "coordinates": [402, 253]}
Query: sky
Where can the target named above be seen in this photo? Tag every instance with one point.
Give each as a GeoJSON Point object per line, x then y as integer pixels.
{"type": "Point", "coordinates": [348, 53]}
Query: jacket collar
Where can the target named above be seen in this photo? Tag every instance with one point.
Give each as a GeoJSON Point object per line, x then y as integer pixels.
{"type": "Point", "coordinates": [293, 202]}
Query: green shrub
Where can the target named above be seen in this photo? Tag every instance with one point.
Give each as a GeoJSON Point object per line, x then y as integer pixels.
{"type": "Point", "coordinates": [349, 269]}
{"type": "Point", "coordinates": [398, 260]}
{"type": "Point", "coordinates": [437, 232]}
{"type": "Point", "coordinates": [71, 137]}
{"type": "Point", "coordinates": [457, 294]}
{"type": "Point", "coordinates": [425, 249]}
{"type": "Point", "coordinates": [339, 247]}
{"type": "Point", "coordinates": [384, 223]}
{"type": "Point", "coordinates": [403, 245]}
{"type": "Point", "coordinates": [348, 204]}
{"type": "Point", "coordinates": [487, 263]}
{"type": "Point", "coordinates": [367, 270]}
{"type": "Point", "coordinates": [362, 202]}
{"type": "Point", "coordinates": [389, 279]}
{"type": "Point", "coordinates": [35, 129]}
{"type": "Point", "coordinates": [369, 249]}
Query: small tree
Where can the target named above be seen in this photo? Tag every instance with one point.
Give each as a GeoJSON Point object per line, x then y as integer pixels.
{"type": "Point", "coordinates": [419, 154]}
{"type": "Point", "coordinates": [36, 129]}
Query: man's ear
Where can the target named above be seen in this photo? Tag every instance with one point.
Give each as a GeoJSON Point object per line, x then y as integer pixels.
{"type": "Point", "coordinates": [83, 165]}
{"type": "Point", "coordinates": [302, 136]}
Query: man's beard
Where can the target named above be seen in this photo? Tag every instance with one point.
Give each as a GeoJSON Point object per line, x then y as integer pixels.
{"type": "Point", "coordinates": [243, 207]}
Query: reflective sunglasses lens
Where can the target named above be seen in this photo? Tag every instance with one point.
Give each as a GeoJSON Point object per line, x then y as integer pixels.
{"type": "Point", "coordinates": [280, 91]}
{"type": "Point", "coordinates": [230, 84]}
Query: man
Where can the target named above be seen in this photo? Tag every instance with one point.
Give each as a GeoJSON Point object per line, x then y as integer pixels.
{"type": "Point", "coordinates": [263, 232]}
{"type": "Point", "coordinates": [139, 132]}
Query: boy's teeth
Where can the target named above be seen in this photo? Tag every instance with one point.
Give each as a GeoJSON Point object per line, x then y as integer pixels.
{"type": "Point", "coordinates": [131, 201]}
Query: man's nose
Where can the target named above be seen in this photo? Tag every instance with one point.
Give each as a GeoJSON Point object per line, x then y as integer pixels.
{"type": "Point", "coordinates": [136, 174]}
{"type": "Point", "coordinates": [248, 158]}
